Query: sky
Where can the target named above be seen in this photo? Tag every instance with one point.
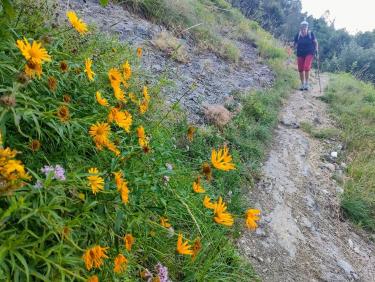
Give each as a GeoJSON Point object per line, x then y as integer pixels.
{"type": "Point", "coordinates": [354, 15]}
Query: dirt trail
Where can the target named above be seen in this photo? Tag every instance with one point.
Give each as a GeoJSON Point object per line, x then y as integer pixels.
{"type": "Point", "coordinates": [301, 235]}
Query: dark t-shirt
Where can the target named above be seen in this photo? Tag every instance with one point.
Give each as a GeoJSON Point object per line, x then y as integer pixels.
{"type": "Point", "coordinates": [305, 44]}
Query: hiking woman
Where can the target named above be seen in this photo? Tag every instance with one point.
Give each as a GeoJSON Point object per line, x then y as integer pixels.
{"type": "Point", "coordinates": [306, 45]}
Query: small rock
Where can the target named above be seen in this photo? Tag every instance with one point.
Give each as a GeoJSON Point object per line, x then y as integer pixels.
{"type": "Point", "coordinates": [351, 244]}
{"type": "Point", "coordinates": [169, 166]}
{"type": "Point", "coordinates": [260, 232]}
{"type": "Point", "coordinates": [343, 165]}
{"type": "Point", "coordinates": [334, 154]}
{"type": "Point", "coordinates": [330, 167]}
{"type": "Point", "coordinates": [339, 190]}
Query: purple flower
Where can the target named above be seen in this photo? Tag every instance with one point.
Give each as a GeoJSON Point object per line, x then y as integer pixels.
{"type": "Point", "coordinates": [38, 184]}
{"type": "Point", "coordinates": [59, 173]}
{"type": "Point", "coordinates": [47, 169]}
{"type": "Point", "coordinates": [162, 272]}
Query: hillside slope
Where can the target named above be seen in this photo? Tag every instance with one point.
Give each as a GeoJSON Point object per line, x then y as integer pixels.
{"type": "Point", "coordinates": [198, 77]}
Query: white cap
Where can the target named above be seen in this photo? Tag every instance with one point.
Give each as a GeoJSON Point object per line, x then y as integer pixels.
{"type": "Point", "coordinates": [304, 23]}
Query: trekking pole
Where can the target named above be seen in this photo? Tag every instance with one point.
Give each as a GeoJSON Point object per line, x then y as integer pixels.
{"type": "Point", "coordinates": [318, 62]}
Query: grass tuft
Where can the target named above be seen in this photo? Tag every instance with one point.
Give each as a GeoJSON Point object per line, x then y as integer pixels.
{"type": "Point", "coordinates": [352, 105]}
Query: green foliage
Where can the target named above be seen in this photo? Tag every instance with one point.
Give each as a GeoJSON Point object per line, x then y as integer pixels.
{"type": "Point", "coordinates": [352, 104]}
{"type": "Point", "coordinates": [321, 133]}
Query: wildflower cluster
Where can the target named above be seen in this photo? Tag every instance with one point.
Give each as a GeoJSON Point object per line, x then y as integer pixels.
{"type": "Point", "coordinates": [12, 171]}
{"type": "Point", "coordinates": [107, 106]}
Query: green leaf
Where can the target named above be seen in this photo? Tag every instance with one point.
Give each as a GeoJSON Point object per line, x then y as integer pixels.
{"type": "Point", "coordinates": [103, 2]}
{"type": "Point", "coordinates": [8, 8]}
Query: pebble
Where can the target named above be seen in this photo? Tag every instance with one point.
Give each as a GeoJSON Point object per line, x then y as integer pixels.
{"type": "Point", "coordinates": [334, 154]}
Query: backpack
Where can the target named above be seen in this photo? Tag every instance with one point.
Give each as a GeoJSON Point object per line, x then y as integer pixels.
{"type": "Point", "coordinates": [308, 33]}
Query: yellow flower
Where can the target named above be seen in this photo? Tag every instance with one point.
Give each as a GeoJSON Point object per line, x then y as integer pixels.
{"type": "Point", "coordinates": [224, 218]}
{"type": "Point", "coordinates": [164, 222]}
{"type": "Point", "coordinates": [206, 169]}
{"type": "Point", "coordinates": [221, 215]}
{"type": "Point", "coordinates": [93, 279]}
{"type": "Point", "coordinates": [96, 182]}
{"type": "Point", "coordinates": [222, 159]}
{"type": "Point", "coordinates": [141, 132]}
{"type": "Point", "coordinates": [121, 264]}
{"type": "Point", "coordinates": [220, 206]}
{"type": "Point", "coordinates": [118, 178]}
{"type": "Point", "coordinates": [114, 76]}
{"type": "Point", "coordinates": [88, 71]}
{"type": "Point", "coordinates": [252, 216]}
{"type": "Point", "coordinates": [100, 100]}
{"type": "Point", "coordinates": [129, 241]}
{"type": "Point", "coordinates": [183, 248]}
{"type": "Point", "coordinates": [122, 119]}
{"type": "Point", "coordinates": [145, 94]}
{"type": "Point", "coordinates": [124, 192]}
{"type": "Point", "coordinates": [197, 188]}
{"type": "Point", "coordinates": [207, 203]}
{"type": "Point", "coordinates": [122, 187]}
{"type": "Point", "coordinates": [77, 23]}
{"type": "Point", "coordinates": [127, 70]}
{"type": "Point", "coordinates": [139, 52]}
{"type": "Point", "coordinates": [190, 133]}
{"type": "Point", "coordinates": [100, 133]}
{"type": "Point", "coordinates": [32, 69]}
{"type": "Point", "coordinates": [63, 113]}
{"type": "Point", "coordinates": [6, 154]}
{"type": "Point", "coordinates": [143, 107]}
{"type": "Point", "coordinates": [94, 256]}
{"type": "Point", "coordinates": [112, 147]}
{"type": "Point", "coordinates": [13, 170]}
{"type": "Point", "coordinates": [33, 53]}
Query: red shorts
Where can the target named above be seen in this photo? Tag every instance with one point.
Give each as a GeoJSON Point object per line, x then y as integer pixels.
{"type": "Point", "coordinates": [304, 63]}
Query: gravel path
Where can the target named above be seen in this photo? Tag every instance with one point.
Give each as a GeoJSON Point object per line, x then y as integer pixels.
{"type": "Point", "coordinates": [302, 236]}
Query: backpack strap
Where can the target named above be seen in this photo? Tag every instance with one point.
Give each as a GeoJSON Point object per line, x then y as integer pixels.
{"type": "Point", "coordinates": [308, 33]}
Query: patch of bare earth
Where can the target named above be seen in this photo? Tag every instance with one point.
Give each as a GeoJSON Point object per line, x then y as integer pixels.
{"type": "Point", "coordinates": [302, 235]}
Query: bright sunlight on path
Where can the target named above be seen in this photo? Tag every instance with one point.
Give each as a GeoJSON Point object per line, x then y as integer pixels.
{"type": "Point", "coordinates": [302, 236]}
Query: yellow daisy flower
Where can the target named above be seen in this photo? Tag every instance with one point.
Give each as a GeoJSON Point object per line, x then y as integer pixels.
{"type": "Point", "coordinates": [88, 71]}
{"type": "Point", "coordinates": [33, 53]}
{"type": "Point", "coordinates": [94, 256]}
{"type": "Point", "coordinates": [197, 188]}
{"type": "Point", "coordinates": [183, 248]}
{"type": "Point", "coordinates": [120, 263]}
{"type": "Point", "coordinates": [221, 159]}
{"type": "Point", "coordinates": [77, 23]}
{"type": "Point", "coordinates": [252, 216]}
{"type": "Point", "coordinates": [102, 101]}
{"type": "Point", "coordinates": [96, 182]}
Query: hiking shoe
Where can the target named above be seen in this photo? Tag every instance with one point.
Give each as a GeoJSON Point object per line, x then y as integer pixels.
{"type": "Point", "coordinates": [302, 87]}
{"type": "Point", "coordinates": [306, 86]}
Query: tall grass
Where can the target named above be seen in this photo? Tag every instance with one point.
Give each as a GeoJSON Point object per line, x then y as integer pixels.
{"type": "Point", "coordinates": [353, 105]}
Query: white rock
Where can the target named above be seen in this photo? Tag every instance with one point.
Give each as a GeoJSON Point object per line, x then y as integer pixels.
{"type": "Point", "coordinates": [351, 244]}
{"type": "Point", "coordinates": [334, 154]}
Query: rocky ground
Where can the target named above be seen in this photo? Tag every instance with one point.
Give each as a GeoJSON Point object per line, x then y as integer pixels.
{"type": "Point", "coordinates": [302, 235]}
{"type": "Point", "coordinates": [205, 79]}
